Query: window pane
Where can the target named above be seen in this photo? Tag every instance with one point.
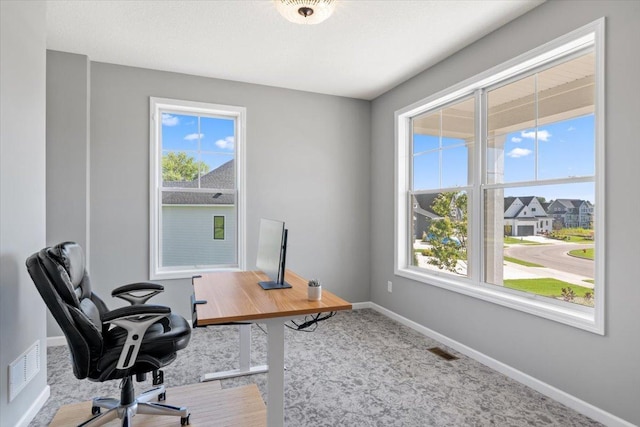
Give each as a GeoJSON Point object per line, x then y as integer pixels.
{"type": "Point", "coordinates": [426, 170]}
{"type": "Point", "coordinates": [442, 142]}
{"type": "Point", "coordinates": [568, 149]}
{"type": "Point", "coordinates": [198, 152]}
{"type": "Point", "coordinates": [218, 134]}
{"type": "Point", "coordinates": [186, 229]}
{"type": "Point", "coordinates": [221, 171]}
{"type": "Point", "coordinates": [458, 123]}
{"type": "Point", "coordinates": [179, 132]}
{"type": "Point", "coordinates": [426, 132]}
{"type": "Point", "coordinates": [540, 240]}
{"type": "Point", "coordinates": [181, 168]}
{"type": "Point", "coordinates": [511, 107]}
{"type": "Point", "coordinates": [567, 90]}
{"type": "Point", "coordinates": [440, 232]}
{"type": "Point", "coordinates": [519, 156]}
{"type": "Point", "coordinates": [455, 166]}
{"type": "Point", "coordinates": [544, 124]}
{"type": "Point", "coordinates": [426, 157]}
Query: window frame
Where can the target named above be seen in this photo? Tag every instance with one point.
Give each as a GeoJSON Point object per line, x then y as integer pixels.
{"type": "Point", "coordinates": [156, 107]}
{"type": "Point", "coordinates": [560, 49]}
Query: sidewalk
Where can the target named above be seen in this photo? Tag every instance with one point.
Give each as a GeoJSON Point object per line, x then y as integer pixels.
{"type": "Point", "coordinates": [517, 271]}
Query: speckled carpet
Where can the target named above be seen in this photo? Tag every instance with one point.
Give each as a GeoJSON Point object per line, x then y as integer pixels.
{"type": "Point", "coordinates": [359, 368]}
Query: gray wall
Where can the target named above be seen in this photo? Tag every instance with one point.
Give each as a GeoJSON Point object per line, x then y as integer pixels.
{"type": "Point", "coordinates": [22, 198]}
{"type": "Point", "coordinates": [602, 370]}
{"type": "Point", "coordinates": [307, 164]}
{"type": "Point", "coordinates": [67, 153]}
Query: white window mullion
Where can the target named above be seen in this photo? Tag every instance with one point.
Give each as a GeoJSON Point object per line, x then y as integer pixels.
{"type": "Point", "coordinates": [476, 216]}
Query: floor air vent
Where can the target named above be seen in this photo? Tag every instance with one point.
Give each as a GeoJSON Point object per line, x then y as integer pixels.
{"type": "Point", "coordinates": [440, 352]}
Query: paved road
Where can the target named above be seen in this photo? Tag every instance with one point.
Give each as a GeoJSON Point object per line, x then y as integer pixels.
{"type": "Point", "coordinates": [554, 256]}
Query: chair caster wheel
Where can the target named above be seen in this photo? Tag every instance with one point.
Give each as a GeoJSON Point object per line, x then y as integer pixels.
{"type": "Point", "coordinates": [162, 397]}
{"type": "Point", "coordinates": [95, 410]}
{"type": "Point", "coordinates": [184, 421]}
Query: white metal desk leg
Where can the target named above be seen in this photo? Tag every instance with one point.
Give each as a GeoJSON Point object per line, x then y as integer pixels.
{"type": "Point", "coordinates": [275, 379]}
{"type": "Point", "coordinates": [245, 367]}
{"type": "Point", "coordinates": [245, 347]}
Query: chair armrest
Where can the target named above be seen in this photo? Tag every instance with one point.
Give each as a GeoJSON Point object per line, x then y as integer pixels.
{"type": "Point", "coordinates": [135, 311]}
{"type": "Point", "coordinates": [135, 319]}
{"type": "Point", "coordinates": [126, 292]}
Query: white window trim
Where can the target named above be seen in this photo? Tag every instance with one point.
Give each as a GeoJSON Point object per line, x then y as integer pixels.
{"type": "Point", "coordinates": [590, 319]}
{"type": "Point", "coordinates": [239, 113]}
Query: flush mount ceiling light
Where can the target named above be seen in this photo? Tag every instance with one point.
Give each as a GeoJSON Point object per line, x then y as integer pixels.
{"type": "Point", "coordinates": [305, 11]}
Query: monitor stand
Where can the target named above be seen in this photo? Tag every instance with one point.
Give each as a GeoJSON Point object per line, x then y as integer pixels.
{"type": "Point", "coordinates": [268, 285]}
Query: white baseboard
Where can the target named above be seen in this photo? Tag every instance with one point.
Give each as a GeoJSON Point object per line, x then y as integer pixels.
{"type": "Point", "coordinates": [34, 408]}
{"type": "Point", "coordinates": [56, 341]}
{"type": "Point", "coordinates": [361, 305]}
{"type": "Point", "coordinates": [554, 393]}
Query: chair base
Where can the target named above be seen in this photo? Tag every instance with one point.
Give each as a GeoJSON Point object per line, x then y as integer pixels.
{"type": "Point", "coordinates": [140, 405]}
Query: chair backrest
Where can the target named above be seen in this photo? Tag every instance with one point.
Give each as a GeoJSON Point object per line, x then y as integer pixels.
{"type": "Point", "coordinates": [60, 276]}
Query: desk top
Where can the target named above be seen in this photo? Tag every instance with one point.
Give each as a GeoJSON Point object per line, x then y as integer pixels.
{"type": "Point", "coordinates": [236, 297]}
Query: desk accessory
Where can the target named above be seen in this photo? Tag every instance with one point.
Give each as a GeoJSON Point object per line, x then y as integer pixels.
{"type": "Point", "coordinates": [314, 290]}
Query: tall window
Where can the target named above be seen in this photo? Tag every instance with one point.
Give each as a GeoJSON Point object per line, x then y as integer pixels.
{"type": "Point", "coordinates": [500, 184]}
{"type": "Point", "coordinates": [196, 184]}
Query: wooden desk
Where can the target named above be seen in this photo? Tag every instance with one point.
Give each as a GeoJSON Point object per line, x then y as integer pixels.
{"type": "Point", "coordinates": [237, 297]}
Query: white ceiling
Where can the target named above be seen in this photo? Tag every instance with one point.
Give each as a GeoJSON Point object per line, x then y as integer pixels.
{"type": "Point", "coordinates": [363, 50]}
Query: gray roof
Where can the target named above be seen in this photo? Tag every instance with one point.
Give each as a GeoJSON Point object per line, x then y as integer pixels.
{"type": "Point", "coordinates": [222, 177]}
{"type": "Point", "coordinates": [425, 201]}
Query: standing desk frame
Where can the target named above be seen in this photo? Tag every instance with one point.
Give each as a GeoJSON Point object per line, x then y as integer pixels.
{"type": "Point", "coordinates": [236, 297]}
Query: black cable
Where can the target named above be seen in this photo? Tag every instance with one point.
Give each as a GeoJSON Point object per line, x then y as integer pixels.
{"type": "Point", "coordinates": [310, 320]}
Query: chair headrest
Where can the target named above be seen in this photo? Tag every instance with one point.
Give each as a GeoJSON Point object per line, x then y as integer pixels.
{"type": "Point", "coordinates": [71, 256]}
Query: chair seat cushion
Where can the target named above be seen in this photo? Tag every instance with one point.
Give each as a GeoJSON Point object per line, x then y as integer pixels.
{"type": "Point", "coordinates": [159, 346]}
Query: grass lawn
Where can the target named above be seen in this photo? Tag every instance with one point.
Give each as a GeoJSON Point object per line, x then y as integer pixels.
{"type": "Point", "coordinates": [583, 253]}
{"type": "Point", "coordinates": [579, 239]}
{"type": "Point", "coordinates": [547, 287]}
{"type": "Point", "coordinates": [519, 241]}
{"type": "Point", "coordinates": [521, 262]}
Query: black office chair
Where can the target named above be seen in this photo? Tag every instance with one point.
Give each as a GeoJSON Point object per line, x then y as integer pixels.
{"type": "Point", "coordinates": [107, 345]}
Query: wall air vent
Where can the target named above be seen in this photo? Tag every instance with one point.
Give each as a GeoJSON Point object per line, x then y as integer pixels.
{"type": "Point", "coordinates": [23, 369]}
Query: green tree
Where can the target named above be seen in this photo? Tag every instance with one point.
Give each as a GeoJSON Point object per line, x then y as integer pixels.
{"type": "Point", "coordinates": [448, 235]}
{"type": "Point", "coordinates": [181, 167]}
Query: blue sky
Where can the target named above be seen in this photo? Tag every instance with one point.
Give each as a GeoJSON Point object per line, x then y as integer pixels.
{"type": "Point", "coordinates": [208, 139]}
{"type": "Point", "coordinates": [564, 149]}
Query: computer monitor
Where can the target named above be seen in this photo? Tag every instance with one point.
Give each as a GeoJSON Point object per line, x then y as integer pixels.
{"type": "Point", "coordinates": [272, 253]}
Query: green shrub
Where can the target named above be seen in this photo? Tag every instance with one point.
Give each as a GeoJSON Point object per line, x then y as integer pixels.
{"type": "Point", "coordinates": [568, 294]}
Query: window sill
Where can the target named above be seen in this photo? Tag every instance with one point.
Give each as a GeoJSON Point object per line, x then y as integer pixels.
{"type": "Point", "coordinates": [578, 316]}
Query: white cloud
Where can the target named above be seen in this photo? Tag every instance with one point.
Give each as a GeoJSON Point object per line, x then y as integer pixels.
{"type": "Point", "coordinates": [519, 152]}
{"type": "Point", "coordinates": [516, 139]}
{"type": "Point", "coordinates": [227, 143]}
{"type": "Point", "coordinates": [193, 136]}
{"type": "Point", "coordinates": [543, 135]}
{"type": "Point", "coordinates": [169, 120]}
{"type": "Point", "coordinates": [571, 128]}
